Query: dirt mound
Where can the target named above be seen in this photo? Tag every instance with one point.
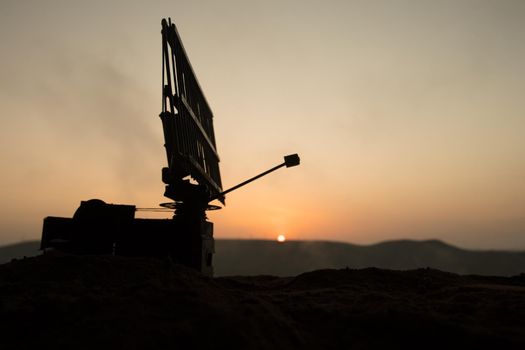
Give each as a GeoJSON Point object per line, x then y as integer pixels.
{"type": "Point", "coordinates": [138, 303]}
{"type": "Point", "coordinates": [133, 303]}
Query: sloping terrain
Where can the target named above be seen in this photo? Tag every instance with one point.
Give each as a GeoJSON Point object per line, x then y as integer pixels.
{"type": "Point", "coordinates": [19, 250]}
{"type": "Point", "coordinates": [257, 257]}
{"type": "Point", "coordinates": [107, 302]}
{"type": "Point", "coordinates": [252, 257]}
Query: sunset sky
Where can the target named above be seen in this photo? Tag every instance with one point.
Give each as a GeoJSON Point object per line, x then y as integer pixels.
{"type": "Point", "coordinates": [408, 116]}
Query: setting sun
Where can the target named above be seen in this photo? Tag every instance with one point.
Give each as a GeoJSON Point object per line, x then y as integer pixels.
{"type": "Point", "coordinates": [281, 238]}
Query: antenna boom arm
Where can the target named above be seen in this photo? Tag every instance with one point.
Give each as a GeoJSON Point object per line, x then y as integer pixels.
{"type": "Point", "coordinates": [289, 161]}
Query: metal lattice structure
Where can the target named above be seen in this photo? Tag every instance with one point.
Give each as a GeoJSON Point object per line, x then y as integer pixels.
{"type": "Point", "coordinates": [188, 124]}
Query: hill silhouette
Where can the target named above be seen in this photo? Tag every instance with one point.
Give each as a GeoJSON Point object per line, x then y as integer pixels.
{"type": "Point", "coordinates": [246, 257]}
{"type": "Point", "coordinates": [260, 257]}
{"type": "Point", "coordinates": [19, 250]}
{"type": "Point", "coordinates": [111, 302]}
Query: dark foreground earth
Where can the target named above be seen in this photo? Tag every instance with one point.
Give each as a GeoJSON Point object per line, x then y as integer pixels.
{"type": "Point", "coordinates": [109, 302]}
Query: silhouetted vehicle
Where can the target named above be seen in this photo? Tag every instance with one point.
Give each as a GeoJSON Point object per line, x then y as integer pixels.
{"type": "Point", "coordinates": [192, 180]}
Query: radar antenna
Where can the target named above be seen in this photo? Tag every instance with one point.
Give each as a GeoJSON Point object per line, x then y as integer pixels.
{"type": "Point", "coordinates": [192, 180]}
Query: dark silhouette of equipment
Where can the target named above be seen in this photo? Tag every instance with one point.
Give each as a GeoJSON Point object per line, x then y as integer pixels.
{"type": "Point", "coordinates": [192, 180]}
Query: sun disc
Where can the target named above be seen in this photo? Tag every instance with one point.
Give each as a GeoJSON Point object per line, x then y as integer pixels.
{"type": "Point", "coordinates": [281, 238]}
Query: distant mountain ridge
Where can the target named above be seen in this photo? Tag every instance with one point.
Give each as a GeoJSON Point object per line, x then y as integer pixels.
{"type": "Point", "coordinates": [251, 257]}
{"type": "Point", "coordinates": [19, 250]}
{"type": "Point", "coordinates": [262, 257]}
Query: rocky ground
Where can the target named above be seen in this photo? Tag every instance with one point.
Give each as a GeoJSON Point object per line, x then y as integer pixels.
{"type": "Point", "coordinates": [63, 301]}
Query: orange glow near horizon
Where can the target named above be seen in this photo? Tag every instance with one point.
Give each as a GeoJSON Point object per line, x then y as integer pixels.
{"type": "Point", "coordinates": [406, 128]}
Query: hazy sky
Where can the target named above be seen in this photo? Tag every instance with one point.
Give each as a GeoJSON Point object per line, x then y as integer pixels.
{"type": "Point", "coordinates": [409, 116]}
